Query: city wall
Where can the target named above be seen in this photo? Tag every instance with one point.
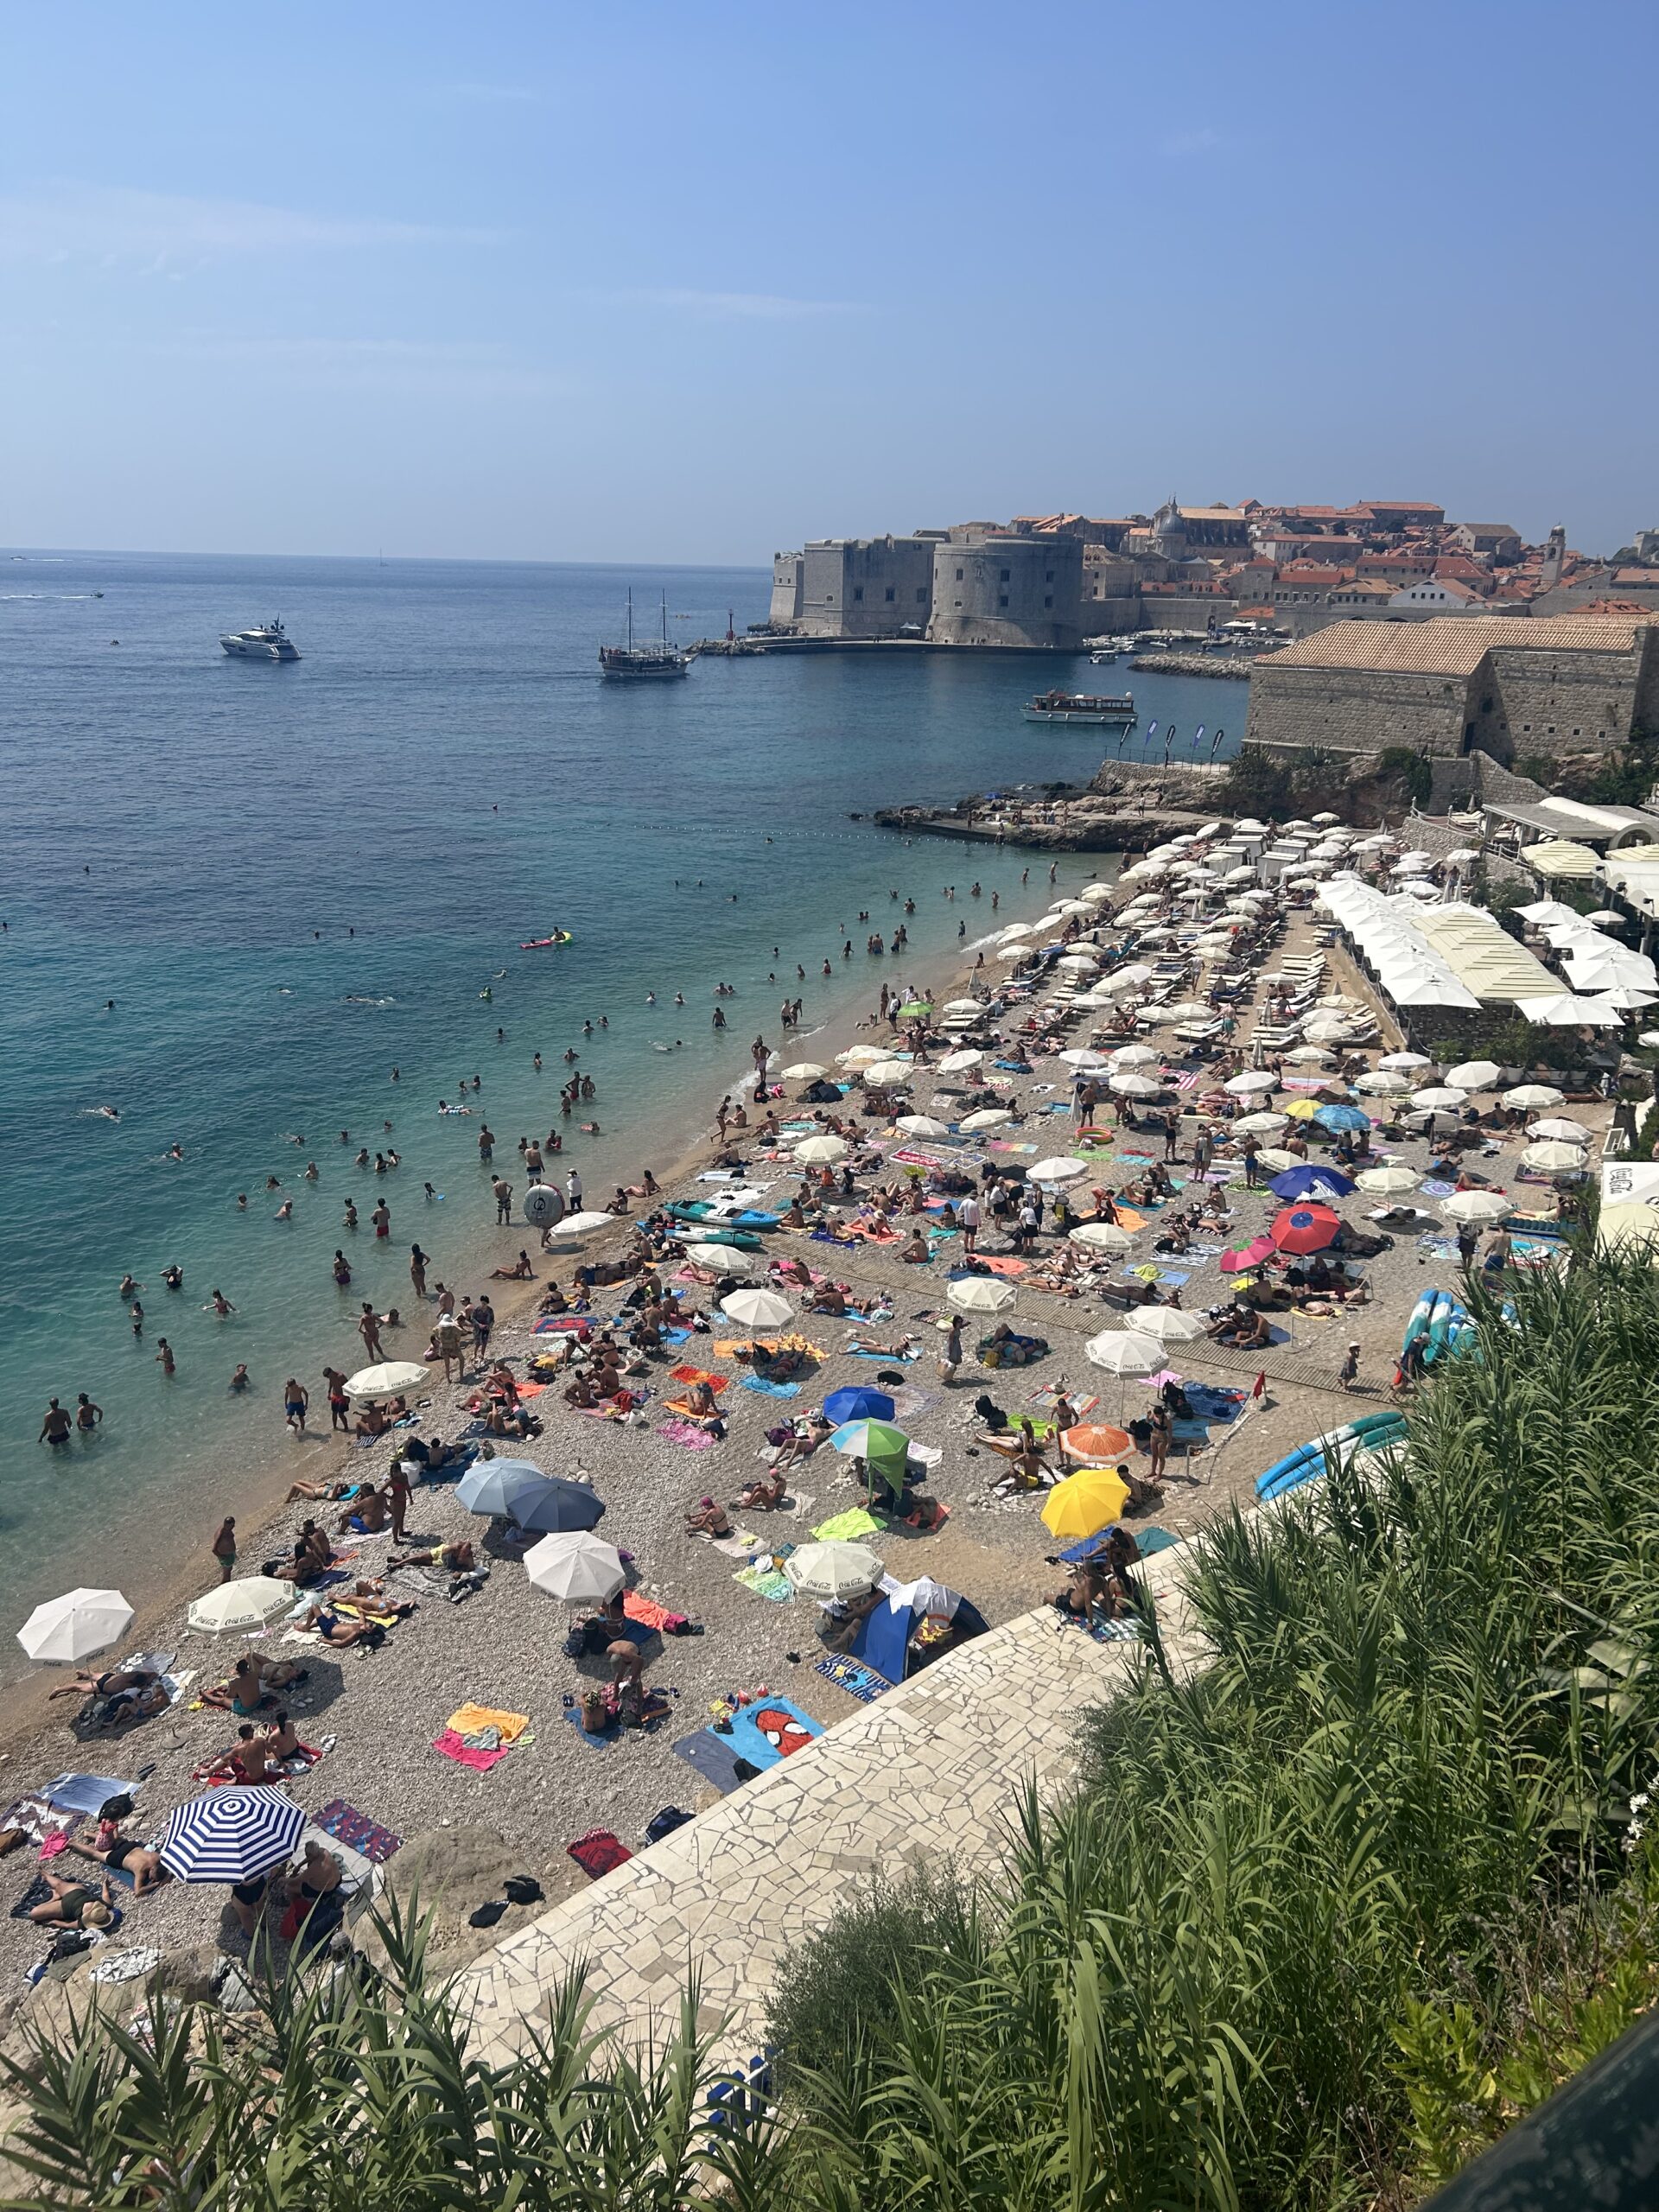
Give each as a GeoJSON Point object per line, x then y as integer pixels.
{"type": "Point", "coordinates": [1357, 710]}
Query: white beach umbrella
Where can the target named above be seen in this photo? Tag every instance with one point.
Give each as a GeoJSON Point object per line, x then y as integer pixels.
{"type": "Point", "coordinates": [757, 1309]}
{"type": "Point", "coordinates": [1243, 1086]}
{"type": "Point", "coordinates": [1095, 893]}
{"type": "Point", "coordinates": [1100, 1236]}
{"type": "Point", "coordinates": [1260, 1125]}
{"type": "Point", "coordinates": [1015, 929]}
{"type": "Point", "coordinates": [981, 1294]}
{"type": "Point", "coordinates": [834, 1570]}
{"type": "Point", "coordinates": [1011, 952]}
{"type": "Point", "coordinates": [1325, 1029]}
{"type": "Point", "coordinates": [819, 1151]}
{"type": "Point", "coordinates": [1605, 918]}
{"type": "Point", "coordinates": [888, 1075]}
{"type": "Point", "coordinates": [576, 1567]}
{"type": "Point", "coordinates": [1533, 1096]}
{"type": "Point", "coordinates": [576, 1226]}
{"type": "Point", "coordinates": [1404, 1062]}
{"type": "Point", "coordinates": [1552, 1159]}
{"type": "Point", "coordinates": [964, 1006]}
{"type": "Point", "coordinates": [1081, 1056]}
{"type": "Point", "coordinates": [1439, 1097]}
{"type": "Point", "coordinates": [803, 1071]}
{"type": "Point", "coordinates": [387, 1380]}
{"type": "Point", "coordinates": [68, 1628]}
{"type": "Point", "coordinates": [1476, 1205]}
{"type": "Point", "coordinates": [1134, 1086]}
{"type": "Point", "coordinates": [1170, 1324]}
{"type": "Point", "coordinates": [1134, 1056]}
{"type": "Point", "coordinates": [1136, 971]}
{"type": "Point", "coordinates": [1125, 1351]}
{"type": "Point", "coordinates": [1474, 1075]}
{"type": "Point", "coordinates": [922, 1125]}
{"type": "Point", "coordinates": [1059, 1172]}
{"type": "Point", "coordinates": [988, 1117]}
{"type": "Point", "coordinates": [1381, 1083]}
{"type": "Point", "coordinates": [1067, 907]}
{"type": "Point", "coordinates": [862, 1055]}
{"type": "Point", "coordinates": [236, 1607]}
{"type": "Point", "coordinates": [718, 1259]}
{"type": "Point", "coordinates": [959, 1063]}
{"type": "Point", "coordinates": [1648, 1038]}
{"type": "Point", "coordinates": [1310, 1055]}
{"type": "Point", "coordinates": [1563, 1131]}
{"type": "Point", "coordinates": [1387, 1182]}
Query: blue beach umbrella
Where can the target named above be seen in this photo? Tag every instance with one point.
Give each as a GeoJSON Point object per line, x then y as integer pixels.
{"type": "Point", "coordinates": [1342, 1117]}
{"type": "Point", "coordinates": [229, 1835]}
{"type": "Point", "coordinates": [1311, 1182]}
{"type": "Point", "coordinates": [856, 1403]}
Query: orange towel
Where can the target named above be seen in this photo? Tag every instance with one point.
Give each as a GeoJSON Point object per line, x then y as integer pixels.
{"type": "Point", "coordinates": [697, 1374]}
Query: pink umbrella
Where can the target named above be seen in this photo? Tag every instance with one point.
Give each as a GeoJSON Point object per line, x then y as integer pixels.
{"type": "Point", "coordinates": [1250, 1255]}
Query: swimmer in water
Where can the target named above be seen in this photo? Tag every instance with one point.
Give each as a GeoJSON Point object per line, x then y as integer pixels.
{"type": "Point", "coordinates": [241, 1379]}
{"type": "Point", "coordinates": [285, 1212]}
{"type": "Point", "coordinates": [650, 998]}
{"type": "Point", "coordinates": [241, 1201]}
{"type": "Point", "coordinates": [219, 1304]}
{"type": "Point", "coordinates": [175, 1152]}
{"type": "Point", "coordinates": [110, 1112]}
{"type": "Point", "coordinates": [310, 1171]}
{"type": "Point", "coordinates": [129, 1287]}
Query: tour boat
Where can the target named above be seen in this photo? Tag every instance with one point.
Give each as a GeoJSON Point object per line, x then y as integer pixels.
{"type": "Point", "coordinates": [663, 659]}
{"type": "Point", "coordinates": [1080, 707]}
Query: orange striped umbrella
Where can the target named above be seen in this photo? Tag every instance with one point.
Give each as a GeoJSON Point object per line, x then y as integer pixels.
{"type": "Point", "coordinates": [1095, 1440]}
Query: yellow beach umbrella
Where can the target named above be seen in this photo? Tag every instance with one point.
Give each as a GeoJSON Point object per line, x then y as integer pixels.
{"type": "Point", "coordinates": [1302, 1109]}
{"type": "Point", "coordinates": [1084, 1503]}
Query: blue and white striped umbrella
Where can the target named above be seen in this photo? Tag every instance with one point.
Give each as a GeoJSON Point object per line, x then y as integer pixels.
{"type": "Point", "coordinates": [229, 1835]}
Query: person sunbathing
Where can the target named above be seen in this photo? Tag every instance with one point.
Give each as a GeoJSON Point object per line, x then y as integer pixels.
{"type": "Point", "coordinates": [764, 1494]}
{"type": "Point", "coordinates": [456, 1558]}
{"type": "Point", "coordinates": [376, 1419]}
{"type": "Point", "coordinates": [700, 1407]}
{"type": "Point", "coordinates": [338, 1629]}
{"type": "Point", "coordinates": [368, 1516]}
{"type": "Point", "coordinates": [579, 1393]}
{"type": "Point", "coordinates": [706, 1518]}
{"type": "Point", "coordinates": [874, 1344]}
{"type": "Point", "coordinates": [829, 1298]}
{"type": "Point", "coordinates": [915, 1253]}
{"type": "Point", "coordinates": [125, 1855]}
{"type": "Point", "coordinates": [517, 1422]}
{"type": "Point", "coordinates": [109, 1684]}
{"type": "Point", "coordinates": [372, 1596]}
{"type": "Point", "coordinates": [281, 1738]}
{"type": "Point", "coordinates": [554, 1301]}
{"type": "Point", "coordinates": [71, 1904]}
{"type": "Point", "coordinates": [247, 1761]}
{"type": "Point", "coordinates": [521, 1271]}
{"type": "Point", "coordinates": [318, 1873]}
{"type": "Point", "coordinates": [251, 1680]}
{"type": "Point", "coordinates": [328, 1493]}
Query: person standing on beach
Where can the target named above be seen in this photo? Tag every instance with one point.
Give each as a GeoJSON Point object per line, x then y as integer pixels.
{"type": "Point", "coordinates": [369, 1329]}
{"type": "Point", "coordinates": [339, 1406]}
{"type": "Point", "coordinates": [503, 1190]}
{"type": "Point", "coordinates": [951, 1351]}
{"type": "Point", "coordinates": [224, 1547]}
{"type": "Point", "coordinates": [417, 1269]}
{"type": "Point", "coordinates": [447, 1336]}
{"type": "Point", "coordinates": [483, 1322]}
{"type": "Point", "coordinates": [296, 1400]}
{"type": "Point", "coordinates": [573, 1190]}
{"type": "Point", "coordinates": [968, 1221]}
{"type": "Point", "coordinates": [397, 1496]}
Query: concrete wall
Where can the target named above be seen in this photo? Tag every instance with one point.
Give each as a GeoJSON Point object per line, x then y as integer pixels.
{"type": "Point", "coordinates": [1008, 591]}
{"type": "Point", "coordinates": [786, 588]}
{"type": "Point", "coordinates": [1357, 710]}
{"type": "Point", "coordinates": [866, 587]}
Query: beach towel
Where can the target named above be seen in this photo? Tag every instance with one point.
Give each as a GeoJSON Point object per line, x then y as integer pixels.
{"type": "Point", "coordinates": [1083, 1402]}
{"type": "Point", "coordinates": [599, 1852]}
{"type": "Point", "coordinates": [711, 1757]}
{"type": "Point", "coordinates": [599, 1740]}
{"type": "Point", "coordinates": [882, 1642]}
{"type": "Point", "coordinates": [1118, 1631]}
{"type": "Point", "coordinates": [345, 1824]}
{"type": "Point", "coordinates": [909, 1352]}
{"type": "Point", "coordinates": [450, 1746]}
{"type": "Point", "coordinates": [650, 1614]}
{"type": "Point", "coordinates": [469, 1719]}
{"type": "Point", "coordinates": [691, 1376]}
{"type": "Point", "coordinates": [767, 1582]}
{"type": "Point", "coordinates": [764, 1389]}
{"type": "Point", "coordinates": [686, 1432]}
{"type": "Point", "coordinates": [562, 1325]}
{"type": "Point", "coordinates": [772, 1729]}
{"type": "Point", "coordinates": [1151, 1539]}
{"type": "Point", "coordinates": [82, 1793]}
{"type": "Point", "coordinates": [908, 1402]}
{"type": "Point", "coordinates": [862, 1682]}
{"type": "Point", "coordinates": [848, 1527]}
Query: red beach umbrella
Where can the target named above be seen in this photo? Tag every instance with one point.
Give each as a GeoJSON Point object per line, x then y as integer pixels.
{"type": "Point", "coordinates": [1304, 1228]}
{"type": "Point", "coordinates": [1247, 1257]}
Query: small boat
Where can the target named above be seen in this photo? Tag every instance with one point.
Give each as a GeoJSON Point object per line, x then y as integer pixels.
{"type": "Point", "coordinates": [537, 943]}
{"type": "Point", "coordinates": [267, 641]}
{"type": "Point", "coordinates": [1080, 707]}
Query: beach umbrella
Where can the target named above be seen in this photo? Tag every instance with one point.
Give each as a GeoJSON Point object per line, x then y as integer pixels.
{"type": "Point", "coordinates": [864, 1439]}
{"type": "Point", "coordinates": [1605, 918]}
{"type": "Point", "coordinates": [818, 1151]}
{"type": "Point", "coordinates": [1170, 1324]}
{"type": "Point", "coordinates": [1566, 1132]}
{"type": "Point", "coordinates": [1094, 893]}
{"type": "Point", "coordinates": [988, 1117]}
{"type": "Point", "coordinates": [1310, 1055]}
{"type": "Point", "coordinates": [959, 1063]}
{"type": "Point", "coordinates": [1387, 1182]}
{"type": "Point", "coordinates": [1188, 1010]}
{"type": "Point", "coordinates": [1134, 1056]}
{"type": "Point", "coordinates": [1083, 1057]}
{"type": "Point", "coordinates": [717, 1259]}
{"type": "Point", "coordinates": [888, 1075]}
{"type": "Point", "coordinates": [1474, 1075]}
{"type": "Point", "coordinates": [981, 1295]}
{"type": "Point", "coordinates": [1020, 951]}
{"type": "Point", "coordinates": [912, 1010]}
{"type": "Point", "coordinates": [1342, 1117]}
{"type": "Point", "coordinates": [1244, 1257]}
{"type": "Point", "coordinates": [1125, 1351]}
{"type": "Point", "coordinates": [1243, 1086]}
{"type": "Point", "coordinates": [1102, 1236]}
{"type": "Point", "coordinates": [834, 1570]}
{"type": "Point", "coordinates": [964, 1006]}
{"type": "Point", "coordinates": [1309, 1182]}
{"type": "Point", "coordinates": [1265, 1125]}
{"type": "Point", "coordinates": [856, 1402]}
{"type": "Point", "coordinates": [1067, 907]}
{"type": "Point", "coordinates": [1552, 1159]}
{"type": "Point", "coordinates": [1134, 1086]}
{"type": "Point", "coordinates": [1648, 1038]}
{"type": "Point", "coordinates": [1304, 1228]}
{"type": "Point", "coordinates": [247, 1603]}
{"type": "Point", "coordinates": [1404, 1062]}
{"type": "Point", "coordinates": [1060, 1172]}
{"type": "Point", "coordinates": [1440, 1096]}
{"type": "Point", "coordinates": [576, 1567]}
{"type": "Point", "coordinates": [1476, 1205]}
{"type": "Point", "coordinates": [922, 1125]}
{"type": "Point", "coordinates": [70, 1627]}
{"type": "Point", "coordinates": [757, 1309]}
{"type": "Point", "coordinates": [390, 1377]}
{"type": "Point", "coordinates": [1084, 1503]}
{"type": "Point", "coordinates": [498, 1487]}
{"type": "Point", "coordinates": [803, 1071]}
{"type": "Point", "coordinates": [1014, 930]}
{"type": "Point", "coordinates": [229, 1835]}
{"type": "Point", "coordinates": [1274, 1162]}
{"type": "Point", "coordinates": [576, 1226]}
{"type": "Point", "coordinates": [1381, 1083]}
{"type": "Point", "coordinates": [862, 1055]}
{"type": "Point", "coordinates": [1095, 1440]}
{"type": "Point", "coordinates": [1532, 1096]}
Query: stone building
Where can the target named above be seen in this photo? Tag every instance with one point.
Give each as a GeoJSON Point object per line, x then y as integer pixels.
{"type": "Point", "coordinates": [1503, 685]}
{"type": "Point", "coordinates": [998, 590]}
{"type": "Point", "coordinates": [856, 587]}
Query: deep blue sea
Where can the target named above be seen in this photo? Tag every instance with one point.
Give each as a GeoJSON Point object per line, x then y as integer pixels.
{"type": "Point", "coordinates": [291, 879]}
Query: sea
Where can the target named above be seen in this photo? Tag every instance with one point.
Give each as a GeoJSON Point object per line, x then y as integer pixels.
{"type": "Point", "coordinates": [237, 896]}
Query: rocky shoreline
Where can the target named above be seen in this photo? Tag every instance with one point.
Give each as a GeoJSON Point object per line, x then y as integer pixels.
{"type": "Point", "coordinates": [1128, 808]}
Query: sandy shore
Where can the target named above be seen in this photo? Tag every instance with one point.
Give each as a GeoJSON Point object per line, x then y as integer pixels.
{"type": "Point", "coordinates": [377, 1716]}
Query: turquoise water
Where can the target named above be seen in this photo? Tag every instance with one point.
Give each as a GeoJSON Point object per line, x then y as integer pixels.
{"type": "Point", "coordinates": [444, 774]}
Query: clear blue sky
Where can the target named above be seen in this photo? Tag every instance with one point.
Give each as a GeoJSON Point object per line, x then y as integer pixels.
{"type": "Point", "coordinates": [689, 283]}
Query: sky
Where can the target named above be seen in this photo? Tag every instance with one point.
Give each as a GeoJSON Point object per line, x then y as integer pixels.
{"type": "Point", "coordinates": [692, 283]}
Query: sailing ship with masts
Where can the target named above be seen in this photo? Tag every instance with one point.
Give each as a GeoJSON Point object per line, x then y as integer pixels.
{"type": "Point", "coordinates": [653, 659]}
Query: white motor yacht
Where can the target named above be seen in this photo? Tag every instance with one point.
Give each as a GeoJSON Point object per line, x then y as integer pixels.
{"type": "Point", "coordinates": [268, 642]}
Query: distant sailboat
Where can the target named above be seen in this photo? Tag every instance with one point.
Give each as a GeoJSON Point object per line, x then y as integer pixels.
{"type": "Point", "coordinates": [630, 659]}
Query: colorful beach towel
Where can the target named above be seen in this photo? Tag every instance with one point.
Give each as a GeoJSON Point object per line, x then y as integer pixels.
{"type": "Point", "coordinates": [688, 1434]}
{"type": "Point", "coordinates": [691, 1376]}
{"type": "Point", "coordinates": [357, 1831]}
{"type": "Point", "coordinates": [862, 1682]}
{"type": "Point", "coordinates": [763, 1387]}
{"type": "Point", "coordinates": [770, 1730]}
{"type": "Point", "coordinates": [650, 1614]}
{"type": "Point", "coordinates": [848, 1527]}
{"type": "Point", "coordinates": [767, 1582]}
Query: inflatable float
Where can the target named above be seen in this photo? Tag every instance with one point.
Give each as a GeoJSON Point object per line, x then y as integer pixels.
{"type": "Point", "coordinates": [1371, 1433]}
{"type": "Point", "coordinates": [539, 944]}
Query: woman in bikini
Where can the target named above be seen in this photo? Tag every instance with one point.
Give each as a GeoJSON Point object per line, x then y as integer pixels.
{"type": "Point", "coordinates": [72, 1904]}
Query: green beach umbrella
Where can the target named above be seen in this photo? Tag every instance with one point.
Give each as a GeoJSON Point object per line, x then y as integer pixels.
{"type": "Point", "coordinates": [871, 1439]}
{"type": "Point", "coordinates": [915, 1006]}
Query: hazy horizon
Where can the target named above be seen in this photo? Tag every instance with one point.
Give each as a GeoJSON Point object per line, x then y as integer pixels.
{"type": "Point", "coordinates": [548, 286]}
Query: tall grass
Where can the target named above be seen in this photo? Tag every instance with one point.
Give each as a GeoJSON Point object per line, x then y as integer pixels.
{"type": "Point", "coordinates": [1302, 1901]}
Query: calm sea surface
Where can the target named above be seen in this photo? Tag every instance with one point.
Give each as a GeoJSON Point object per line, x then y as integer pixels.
{"type": "Point", "coordinates": [444, 774]}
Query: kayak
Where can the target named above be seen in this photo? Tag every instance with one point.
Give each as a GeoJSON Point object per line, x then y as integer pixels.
{"type": "Point", "coordinates": [706, 1211]}
{"type": "Point", "coordinates": [1441, 1320]}
{"type": "Point", "coordinates": [537, 943]}
{"type": "Point", "coordinates": [1371, 1433]}
{"type": "Point", "coordinates": [704, 1232]}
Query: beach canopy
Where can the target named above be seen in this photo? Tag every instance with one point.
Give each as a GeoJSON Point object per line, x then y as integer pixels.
{"type": "Point", "coordinates": [229, 1835]}
{"type": "Point", "coordinates": [1552, 1159]}
{"type": "Point", "coordinates": [888, 1075]}
{"type": "Point", "coordinates": [1267, 1124]}
{"type": "Point", "coordinates": [1476, 1205]}
{"type": "Point", "coordinates": [1557, 1126]}
{"type": "Point", "coordinates": [1083, 1503]}
{"type": "Point", "coordinates": [1170, 1324]}
{"type": "Point", "coordinates": [1312, 1181]}
{"type": "Point", "coordinates": [1125, 1351]}
{"type": "Point", "coordinates": [388, 1380]}
{"type": "Point", "coordinates": [922, 1125]}
{"type": "Point", "coordinates": [517, 1491]}
{"type": "Point", "coordinates": [1090, 1440]}
{"type": "Point", "coordinates": [1104, 1236]}
{"type": "Point", "coordinates": [1389, 1182]}
{"type": "Point", "coordinates": [757, 1309]}
{"type": "Point", "coordinates": [576, 1567]}
{"type": "Point", "coordinates": [1474, 1075]}
{"type": "Point", "coordinates": [580, 1224]}
{"type": "Point", "coordinates": [1439, 1096]}
{"type": "Point", "coordinates": [70, 1627]}
{"type": "Point", "coordinates": [1382, 1082]}
{"type": "Point", "coordinates": [719, 1259]}
{"type": "Point", "coordinates": [1404, 1061]}
{"type": "Point", "coordinates": [1134, 1086]}
{"type": "Point", "coordinates": [1535, 1097]}
{"type": "Point", "coordinates": [1304, 1228]}
{"type": "Point", "coordinates": [981, 1295]}
{"type": "Point", "coordinates": [959, 1063]}
{"type": "Point", "coordinates": [988, 1117]}
{"type": "Point", "coordinates": [1060, 1169]}
{"type": "Point", "coordinates": [1253, 1079]}
{"type": "Point", "coordinates": [1134, 1056]}
{"type": "Point", "coordinates": [871, 1439]}
{"type": "Point", "coordinates": [819, 1151]}
{"type": "Point", "coordinates": [1083, 1057]}
{"type": "Point", "coordinates": [247, 1603]}
{"type": "Point", "coordinates": [857, 1403]}
{"type": "Point", "coordinates": [834, 1570]}
{"type": "Point", "coordinates": [803, 1071]}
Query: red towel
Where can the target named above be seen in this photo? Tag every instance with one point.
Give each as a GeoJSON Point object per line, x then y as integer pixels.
{"type": "Point", "coordinates": [599, 1852]}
